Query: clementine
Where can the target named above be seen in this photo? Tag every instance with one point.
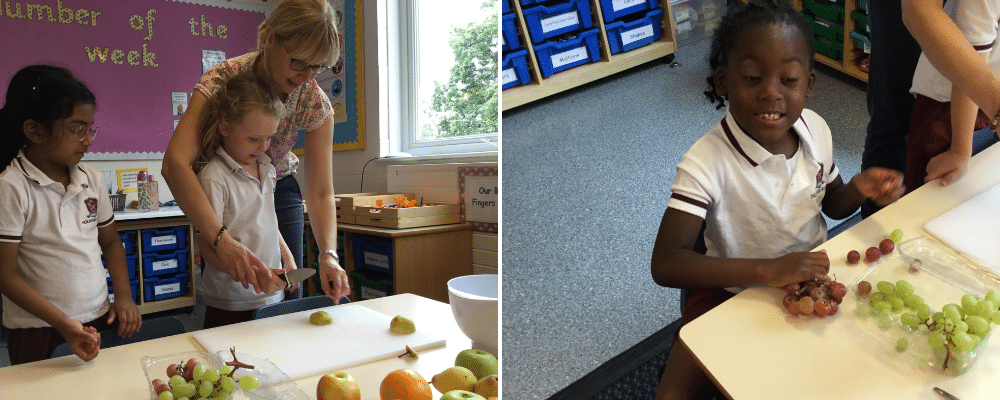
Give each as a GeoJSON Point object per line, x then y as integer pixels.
{"type": "Point", "coordinates": [405, 384]}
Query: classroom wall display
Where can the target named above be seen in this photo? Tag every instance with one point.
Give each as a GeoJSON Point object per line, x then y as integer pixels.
{"type": "Point", "coordinates": [134, 55]}
{"type": "Point", "coordinates": [479, 198]}
{"type": "Point", "coordinates": [344, 83]}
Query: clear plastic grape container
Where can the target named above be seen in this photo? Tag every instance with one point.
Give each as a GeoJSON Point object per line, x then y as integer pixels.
{"type": "Point", "coordinates": [156, 368]}
{"type": "Point", "coordinates": [274, 384]}
{"type": "Point", "coordinates": [939, 278]}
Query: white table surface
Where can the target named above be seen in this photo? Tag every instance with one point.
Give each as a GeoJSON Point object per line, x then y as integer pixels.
{"type": "Point", "coordinates": [117, 374]}
{"type": "Point", "coordinates": [753, 349]}
{"type": "Point", "coordinates": [163, 212]}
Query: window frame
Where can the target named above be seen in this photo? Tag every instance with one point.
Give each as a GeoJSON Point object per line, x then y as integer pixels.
{"type": "Point", "coordinates": [398, 22]}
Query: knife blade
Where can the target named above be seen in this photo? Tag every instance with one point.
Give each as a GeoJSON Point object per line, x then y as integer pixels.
{"type": "Point", "coordinates": [945, 394]}
{"type": "Point", "coordinates": [296, 276]}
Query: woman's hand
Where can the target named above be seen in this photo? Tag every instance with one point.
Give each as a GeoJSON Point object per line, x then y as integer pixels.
{"type": "Point", "coordinates": [334, 278]}
{"type": "Point", "coordinates": [129, 318]}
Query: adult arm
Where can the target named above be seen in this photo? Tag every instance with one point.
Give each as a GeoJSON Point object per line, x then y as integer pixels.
{"type": "Point", "coordinates": [675, 264]}
{"type": "Point", "coordinates": [182, 151]}
{"type": "Point", "coordinates": [322, 207]}
{"type": "Point", "coordinates": [950, 52]}
{"type": "Point", "coordinates": [84, 342]}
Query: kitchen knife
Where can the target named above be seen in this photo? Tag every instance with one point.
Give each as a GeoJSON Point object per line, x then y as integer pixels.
{"type": "Point", "coordinates": [296, 276]}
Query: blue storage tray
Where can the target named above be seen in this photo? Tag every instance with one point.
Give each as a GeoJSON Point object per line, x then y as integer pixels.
{"type": "Point", "coordinates": [515, 69]}
{"type": "Point", "coordinates": [154, 264]}
{"type": "Point", "coordinates": [614, 9]}
{"type": "Point", "coordinates": [373, 253]}
{"type": "Point", "coordinates": [129, 260]}
{"type": "Point", "coordinates": [163, 288]}
{"type": "Point", "coordinates": [625, 36]}
{"type": "Point", "coordinates": [560, 56]}
{"type": "Point", "coordinates": [164, 239]}
{"type": "Point", "coordinates": [510, 41]}
{"type": "Point", "coordinates": [530, 2]}
{"type": "Point", "coordinates": [128, 240]}
{"type": "Point", "coordinates": [550, 21]}
{"type": "Point", "coordinates": [135, 291]}
{"type": "Point", "coordinates": [506, 6]}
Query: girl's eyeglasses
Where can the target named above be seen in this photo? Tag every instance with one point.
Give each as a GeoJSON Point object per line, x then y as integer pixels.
{"type": "Point", "coordinates": [299, 65]}
{"type": "Point", "coordinates": [81, 132]}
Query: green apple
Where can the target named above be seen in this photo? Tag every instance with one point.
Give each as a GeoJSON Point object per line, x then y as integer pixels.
{"type": "Point", "coordinates": [461, 395]}
{"type": "Point", "coordinates": [338, 386]}
{"type": "Point", "coordinates": [481, 363]}
{"type": "Point", "coordinates": [454, 378]}
{"type": "Point", "coordinates": [488, 386]}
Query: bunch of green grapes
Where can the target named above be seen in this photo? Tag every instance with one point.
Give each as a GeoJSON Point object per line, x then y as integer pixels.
{"type": "Point", "coordinates": [196, 381]}
{"type": "Point", "coordinates": [953, 332]}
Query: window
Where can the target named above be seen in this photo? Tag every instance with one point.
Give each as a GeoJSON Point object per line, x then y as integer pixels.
{"type": "Point", "coordinates": [440, 71]}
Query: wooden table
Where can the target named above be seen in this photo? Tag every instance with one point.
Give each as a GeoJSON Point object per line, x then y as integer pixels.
{"type": "Point", "coordinates": [753, 349]}
{"type": "Point", "coordinates": [117, 374]}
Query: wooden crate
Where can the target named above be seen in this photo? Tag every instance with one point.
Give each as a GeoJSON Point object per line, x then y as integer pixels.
{"type": "Point", "coordinates": [347, 202]}
{"type": "Point", "coordinates": [412, 217]}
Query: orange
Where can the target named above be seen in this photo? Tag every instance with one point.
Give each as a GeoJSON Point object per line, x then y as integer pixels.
{"type": "Point", "coordinates": [405, 384]}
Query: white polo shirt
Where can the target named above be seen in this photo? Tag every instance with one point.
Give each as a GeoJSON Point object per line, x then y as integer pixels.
{"type": "Point", "coordinates": [757, 204]}
{"type": "Point", "coordinates": [56, 231]}
{"type": "Point", "coordinates": [979, 21]}
{"type": "Point", "coordinates": [246, 206]}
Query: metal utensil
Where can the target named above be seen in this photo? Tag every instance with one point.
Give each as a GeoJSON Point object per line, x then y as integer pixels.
{"type": "Point", "coordinates": [945, 394]}
{"type": "Point", "coordinates": [296, 276]}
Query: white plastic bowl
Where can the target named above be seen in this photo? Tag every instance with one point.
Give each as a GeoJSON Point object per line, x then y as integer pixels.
{"type": "Point", "coordinates": [474, 302]}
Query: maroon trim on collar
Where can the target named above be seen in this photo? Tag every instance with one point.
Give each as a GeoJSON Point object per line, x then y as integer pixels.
{"type": "Point", "coordinates": [832, 166]}
{"type": "Point", "coordinates": [983, 47]}
{"type": "Point", "coordinates": [689, 200]}
{"type": "Point", "coordinates": [20, 164]}
{"type": "Point", "coordinates": [736, 145]}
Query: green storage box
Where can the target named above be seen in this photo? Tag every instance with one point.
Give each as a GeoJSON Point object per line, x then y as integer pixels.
{"type": "Point", "coordinates": [829, 48]}
{"type": "Point", "coordinates": [827, 29]}
{"type": "Point", "coordinates": [831, 12]}
{"type": "Point", "coordinates": [860, 21]}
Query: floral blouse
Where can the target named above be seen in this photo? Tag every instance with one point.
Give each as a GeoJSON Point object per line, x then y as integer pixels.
{"type": "Point", "coordinates": [306, 109]}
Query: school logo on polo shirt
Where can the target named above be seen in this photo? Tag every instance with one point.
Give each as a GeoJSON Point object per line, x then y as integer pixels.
{"type": "Point", "coordinates": [91, 204]}
{"type": "Point", "coordinates": [819, 176]}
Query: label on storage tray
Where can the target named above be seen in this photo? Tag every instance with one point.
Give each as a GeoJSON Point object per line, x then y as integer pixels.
{"type": "Point", "coordinates": [167, 289]}
{"type": "Point", "coordinates": [560, 21]}
{"type": "Point", "coordinates": [378, 260]}
{"type": "Point", "coordinates": [165, 264]}
{"type": "Point", "coordinates": [618, 5]}
{"type": "Point", "coordinates": [637, 34]}
{"type": "Point", "coordinates": [569, 57]}
{"type": "Point", "coordinates": [509, 75]}
{"type": "Point", "coordinates": [163, 240]}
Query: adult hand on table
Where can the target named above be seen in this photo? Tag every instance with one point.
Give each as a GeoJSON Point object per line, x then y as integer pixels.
{"type": "Point", "coordinates": [333, 278]}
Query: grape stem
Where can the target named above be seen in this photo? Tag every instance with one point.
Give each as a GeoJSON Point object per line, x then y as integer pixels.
{"type": "Point", "coordinates": [951, 353]}
{"type": "Point", "coordinates": [236, 364]}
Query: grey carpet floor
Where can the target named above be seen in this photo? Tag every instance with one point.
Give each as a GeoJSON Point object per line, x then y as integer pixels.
{"type": "Point", "coordinates": [586, 178]}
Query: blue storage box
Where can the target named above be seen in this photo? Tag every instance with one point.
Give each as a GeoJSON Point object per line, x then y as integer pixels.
{"type": "Point", "coordinates": [515, 69]}
{"type": "Point", "coordinates": [624, 36]}
{"type": "Point", "coordinates": [506, 6]}
{"type": "Point", "coordinates": [550, 21]}
{"type": "Point", "coordinates": [135, 291]}
{"type": "Point", "coordinates": [129, 260]}
{"type": "Point", "coordinates": [372, 253]}
{"type": "Point", "coordinates": [128, 240]}
{"type": "Point", "coordinates": [164, 239]}
{"type": "Point", "coordinates": [559, 56]}
{"type": "Point", "coordinates": [161, 288]}
{"type": "Point", "coordinates": [510, 41]}
{"type": "Point", "coordinates": [614, 9]}
{"type": "Point", "coordinates": [530, 2]}
{"type": "Point", "coordinates": [164, 263]}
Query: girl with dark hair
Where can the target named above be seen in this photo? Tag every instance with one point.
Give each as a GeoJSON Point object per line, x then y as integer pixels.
{"type": "Point", "coordinates": [766, 167]}
{"type": "Point", "coordinates": [55, 222]}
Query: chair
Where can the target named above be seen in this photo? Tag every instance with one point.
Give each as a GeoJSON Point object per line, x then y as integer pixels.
{"type": "Point", "coordinates": [290, 306]}
{"type": "Point", "coordinates": [153, 328]}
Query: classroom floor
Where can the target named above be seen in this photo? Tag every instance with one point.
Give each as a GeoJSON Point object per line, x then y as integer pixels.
{"type": "Point", "coordinates": [586, 179]}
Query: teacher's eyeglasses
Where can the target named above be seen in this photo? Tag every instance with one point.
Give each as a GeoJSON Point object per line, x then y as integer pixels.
{"type": "Point", "coordinates": [82, 132]}
{"type": "Point", "coordinates": [301, 66]}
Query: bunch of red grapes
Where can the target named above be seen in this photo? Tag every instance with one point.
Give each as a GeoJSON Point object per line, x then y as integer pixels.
{"type": "Point", "coordinates": [819, 296]}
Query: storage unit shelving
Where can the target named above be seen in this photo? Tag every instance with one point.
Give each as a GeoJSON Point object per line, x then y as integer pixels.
{"type": "Point", "coordinates": [545, 80]}
{"type": "Point", "coordinates": [162, 255]}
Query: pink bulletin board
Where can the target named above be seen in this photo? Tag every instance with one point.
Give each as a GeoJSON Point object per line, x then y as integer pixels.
{"type": "Point", "coordinates": [134, 55]}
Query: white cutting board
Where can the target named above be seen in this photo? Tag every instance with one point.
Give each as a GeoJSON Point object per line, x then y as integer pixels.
{"type": "Point", "coordinates": [972, 228]}
{"type": "Point", "coordinates": [358, 335]}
